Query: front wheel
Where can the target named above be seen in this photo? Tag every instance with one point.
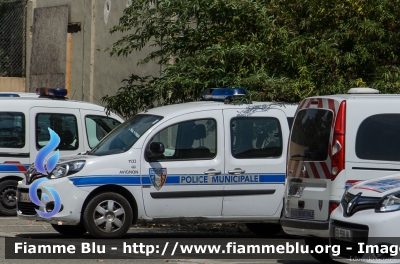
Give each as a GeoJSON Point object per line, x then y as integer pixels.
{"type": "Point", "coordinates": [264, 229]}
{"type": "Point", "coordinates": [108, 215]}
{"type": "Point", "coordinates": [70, 231]}
{"type": "Point", "coordinates": [8, 203]}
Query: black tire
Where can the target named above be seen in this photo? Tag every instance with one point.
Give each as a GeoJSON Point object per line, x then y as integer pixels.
{"type": "Point", "coordinates": [312, 242]}
{"type": "Point", "coordinates": [8, 193]}
{"type": "Point", "coordinates": [69, 230]}
{"type": "Point", "coordinates": [264, 229]}
{"type": "Point", "coordinates": [104, 206]}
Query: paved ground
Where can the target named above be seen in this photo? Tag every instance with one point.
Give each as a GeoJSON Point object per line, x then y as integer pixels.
{"type": "Point", "coordinates": [12, 227]}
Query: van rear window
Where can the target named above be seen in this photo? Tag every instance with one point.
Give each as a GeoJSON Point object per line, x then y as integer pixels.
{"type": "Point", "coordinates": [378, 138]}
{"type": "Point", "coordinates": [310, 135]}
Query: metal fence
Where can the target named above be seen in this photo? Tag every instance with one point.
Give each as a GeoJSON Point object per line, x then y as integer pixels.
{"type": "Point", "coordinates": [12, 38]}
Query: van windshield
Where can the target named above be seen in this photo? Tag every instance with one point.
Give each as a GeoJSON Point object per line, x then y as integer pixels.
{"type": "Point", "coordinates": [123, 137]}
{"type": "Point", "coordinates": [310, 135]}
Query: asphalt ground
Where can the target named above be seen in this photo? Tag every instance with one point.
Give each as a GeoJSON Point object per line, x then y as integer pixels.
{"type": "Point", "coordinates": [40, 232]}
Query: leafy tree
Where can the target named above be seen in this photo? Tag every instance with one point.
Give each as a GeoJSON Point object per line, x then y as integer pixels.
{"type": "Point", "coordinates": [279, 50]}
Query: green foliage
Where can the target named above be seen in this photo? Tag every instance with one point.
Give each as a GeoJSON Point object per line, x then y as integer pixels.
{"type": "Point", "coordinates": [279, 50]}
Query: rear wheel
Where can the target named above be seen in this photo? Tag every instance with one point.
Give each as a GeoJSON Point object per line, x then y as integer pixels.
{"type": "Point", "coordinates": [312, 242]}
{"type": "Point", "coordinates": [108, 215]}
{"type": "Point", "coordinates": [68, 230]}
{"type": "Point", "coordinates": [8, 192]}
{"type": "Point", "coordinates": [264, 229]}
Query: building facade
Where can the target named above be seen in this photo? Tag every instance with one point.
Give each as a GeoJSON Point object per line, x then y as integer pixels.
{"type": "Point", "coordinates": [65, 45]}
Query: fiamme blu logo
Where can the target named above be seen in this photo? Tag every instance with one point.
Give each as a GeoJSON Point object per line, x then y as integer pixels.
{"type": "Point", "coordinates": [46, 166]}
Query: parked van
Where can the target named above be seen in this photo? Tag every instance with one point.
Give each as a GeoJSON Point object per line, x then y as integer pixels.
{"type": "Point", "coordinates": [24, 123]}
{"type": "Point", "coordinates": [335, 141]}
{"type": "Point", "coordinates": [206, 161]}
{"type": "Point", "coordinates": [368, 215]}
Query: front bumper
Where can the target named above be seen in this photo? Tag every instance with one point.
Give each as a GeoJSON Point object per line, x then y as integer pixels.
{"type": "Point", "coordinates": [301, 227]}
{"type": "Point", "coordinates": [366, 228]}
{"type": "Point", "coordinates": [72, 199]}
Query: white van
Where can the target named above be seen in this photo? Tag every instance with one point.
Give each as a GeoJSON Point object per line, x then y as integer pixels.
{"type": "Point", "coordinates": [335, 141]}
{"type": "Point", "coordinates": [191, 162]}
{"type": "Point", "coordinates": [24, 123]}
{"type": "Point", "coordinates": [368, 218]}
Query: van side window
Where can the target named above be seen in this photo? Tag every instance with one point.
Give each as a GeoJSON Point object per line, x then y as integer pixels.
{"type": "Point", "coordinates": [196, 139]}
{"type": "Point", "coordinates": [63, 124]}
{"type": "Point", "coordinates": [378, 138]}
{"type": "Point", "coordinates": [12, 130]}
{"type": "Point", "coordinates": [256, 137]}
{"type": "Point", "coordinates": [98, 127]}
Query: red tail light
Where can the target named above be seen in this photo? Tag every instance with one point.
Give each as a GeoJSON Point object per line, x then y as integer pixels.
{"type": "Point", "coordinates": [338, 148]}
{"type": "Point", "coordinates": [332, 206]}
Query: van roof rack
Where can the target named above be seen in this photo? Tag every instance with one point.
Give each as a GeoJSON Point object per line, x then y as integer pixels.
{"type": "Point", "coordinates": [362, 90]}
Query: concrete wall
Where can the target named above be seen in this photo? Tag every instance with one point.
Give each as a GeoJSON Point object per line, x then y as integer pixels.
{"type": "Point", "coordinates": [49, 46]}
{"type": "Point", "coordinates": [93, 72]}
{"type": "Point", "coordinates": [12, 84]}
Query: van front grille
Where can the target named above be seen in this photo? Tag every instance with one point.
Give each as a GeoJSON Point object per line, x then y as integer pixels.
{"type": "Point", "coordinates": [27, 208]}
{"type": "Point", "coordinates": [353, 203]}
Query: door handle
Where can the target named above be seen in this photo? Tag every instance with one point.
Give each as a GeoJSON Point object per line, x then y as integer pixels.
{"type": "Point", "coordinates": [236, 171]}
{"type": "Point", "coordinates": [212, 172]}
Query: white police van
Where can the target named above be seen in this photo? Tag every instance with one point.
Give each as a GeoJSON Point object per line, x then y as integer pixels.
{"type": "Point", "coordinates": [192, 162]}
{"type": "Point", "coordinates": [368, 214]}
{"type": "Point", "coordinates": [24, 123]}
{"type": "Point", "coordinates": [336, 141]}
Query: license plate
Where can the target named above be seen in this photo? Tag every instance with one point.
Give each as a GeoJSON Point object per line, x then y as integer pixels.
{"type": "Point", "coordinates": [24, 197]}
{"type": "Point", "coordinates": [301, 213]}
{"type": "Point", "coordinates": [343, 234]}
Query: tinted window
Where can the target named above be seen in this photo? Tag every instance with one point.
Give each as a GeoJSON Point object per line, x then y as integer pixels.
{"type": "Point", "coordinates": [310, 135]}
{"type": "Point", "coordinates": [98, 127]}
{"type": "Point", "coordinates": [124, 136]}
{"type": "Point", "coordinates": [378, 138]}
{"type": "Point", "coordinates": [12, 130]}
{"type": "Point", "coordinates": [256, 137]}
{"type": "Point", "coordinates": [290, 122]}
{"type": "Point", "coordinates": [196, 139]}
{"type": "Point", "coordinates": [64, 125]}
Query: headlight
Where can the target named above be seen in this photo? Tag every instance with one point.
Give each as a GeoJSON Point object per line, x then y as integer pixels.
{"type": "Point", "coordinates": [68, 168]}
{"type": "Point", "coordinates": [388, 203]}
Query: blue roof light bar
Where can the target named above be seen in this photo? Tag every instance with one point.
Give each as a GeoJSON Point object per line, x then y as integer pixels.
{"type": "Point", "coordinates": [59, 93]}
{"type": "Point", "coordinates": [223, 94]}
{"type": "Point", "coordinates": [8, 95]}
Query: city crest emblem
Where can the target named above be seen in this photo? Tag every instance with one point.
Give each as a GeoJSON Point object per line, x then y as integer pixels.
{"type": "Point", "coordinates": [158, 177]}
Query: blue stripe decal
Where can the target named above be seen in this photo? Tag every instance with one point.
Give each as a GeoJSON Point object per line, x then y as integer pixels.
{"type": "Point", "coordinates": [102, 180]}
{"type": "Point", "coordinates": [273, 178]}
{"type": "Point", "coordinates": [10, 168]}
{"type": "Point", "coordinates": [184, 179]}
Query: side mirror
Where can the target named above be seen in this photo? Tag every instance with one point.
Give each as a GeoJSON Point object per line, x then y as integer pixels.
{"type": "Point", "coordinates": [155, 149]}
